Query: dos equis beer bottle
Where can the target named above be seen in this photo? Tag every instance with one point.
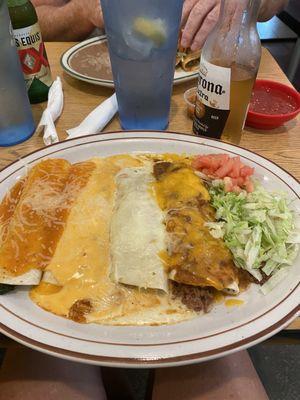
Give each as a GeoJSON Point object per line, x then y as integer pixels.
{"type": "Point", "coordinates": [31, 49]}
{"type": "Point", "coordinates": [228, 68]}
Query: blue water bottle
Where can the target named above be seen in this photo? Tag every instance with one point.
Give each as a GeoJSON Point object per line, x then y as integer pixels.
{"type": "Point", "coordinates": [16, 121]}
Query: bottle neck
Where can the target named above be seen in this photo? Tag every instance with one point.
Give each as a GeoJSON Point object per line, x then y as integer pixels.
{"type": "Point", "coordinates": [235, 38]}
{"type": "Point", "coordinates": [237, 14]}
{"type": "Point", "coordinates": [5, 25]}
{"type": "Point", "coordinates": [16, 3]}
{"type": "Point", "coordinates": [22, 13]}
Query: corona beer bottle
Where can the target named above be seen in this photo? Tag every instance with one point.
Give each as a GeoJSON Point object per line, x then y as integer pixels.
{"type": "Point", "coordinates": [228, 68]}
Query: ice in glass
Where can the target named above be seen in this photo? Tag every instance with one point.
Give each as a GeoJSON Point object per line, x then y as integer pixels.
{"type": "Point", "coordinates": [142, 39]}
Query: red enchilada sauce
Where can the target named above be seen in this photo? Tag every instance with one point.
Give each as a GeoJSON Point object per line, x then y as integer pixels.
{"type": "Point", "coordinates": [35, 212]}
{"type": "Point", "coordinates": [265, 100]}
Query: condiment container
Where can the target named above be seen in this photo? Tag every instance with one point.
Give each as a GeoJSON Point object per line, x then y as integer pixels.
{"type": "Point", "coordinates": [190, 100]}
{"type": "Point", "coordinates": [272, 104]}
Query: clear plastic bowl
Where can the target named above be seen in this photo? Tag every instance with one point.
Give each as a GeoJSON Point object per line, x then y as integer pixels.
{"type": "Point", "coordinates": [190, 99]}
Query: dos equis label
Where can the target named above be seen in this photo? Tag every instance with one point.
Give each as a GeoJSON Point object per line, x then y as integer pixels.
{"type": "Point", "coordinates": [32, 55]}
{"type": "Point", "coordinates": [213, 100]}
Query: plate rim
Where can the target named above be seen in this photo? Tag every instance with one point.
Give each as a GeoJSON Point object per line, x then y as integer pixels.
{"type": "Point", "coordinates": [138, 362]}
{"type": "Point", "coordinates": [64, 63]}
{"type": "Point", "coordinates": [149, 131]}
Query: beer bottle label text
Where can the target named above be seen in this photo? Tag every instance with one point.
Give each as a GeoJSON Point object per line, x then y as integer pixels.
{"type": "Point", "coordinates": [32, 55]}
{"type": "Point", "coordinates": [213, 99]}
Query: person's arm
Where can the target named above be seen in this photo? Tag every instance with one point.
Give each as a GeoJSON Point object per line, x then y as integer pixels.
{"type": "Point", "coordinates": [230, 377]}
{"type": "Point", "coordinates": [199, 18]}
{"type": "Point", "coordinates": [269, 8]}
{"type": "Point", "coordinates": [38, 3]}
{"type": "Point", "coordinates": [26, 374]}
{"type": "Point", "coordinates": [74, 20]}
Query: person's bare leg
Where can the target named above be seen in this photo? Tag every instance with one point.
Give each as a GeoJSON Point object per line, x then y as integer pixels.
{"type": "Point", "coordinates": [29, 375]}
{"type": "Point", "coordinates": [229, 378]}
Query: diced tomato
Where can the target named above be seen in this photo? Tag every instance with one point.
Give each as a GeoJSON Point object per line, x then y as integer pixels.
{"type": "Point", "coordinates": [225, 169]}
{"type": "Point", "coordinates": [240, 181]}
{"type": "Point", "coordinates": [228, 184]}
{"type": "Point", "coordinates": [211, 161]}
{"type": "Point", "coordinates": [249, 186]}
{"type": "Point", "coordinates": [235, 172]}
{"type": "Point", "coordinates": [234, 181]}
{"type": "Point", "coordinates": [222, 157]}
{"type": "Point", "coordinates": [217, 160]}
{"type": "Point", "coordinates": [215, 163]}
{"type": "Point", "coordinates": [236, 189]}
{"type": "Point", "coordinates": [201, 162]}
{"type": "Point", "coordinates": [207, 172]}
{"type": "Point", "coordinates": [246, 171]}
{"type": "Point", "coordinates": [196, 163]}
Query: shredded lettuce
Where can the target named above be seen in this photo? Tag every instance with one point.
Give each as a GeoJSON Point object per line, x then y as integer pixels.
{"type": "Point", "coordinates": [259, 228]}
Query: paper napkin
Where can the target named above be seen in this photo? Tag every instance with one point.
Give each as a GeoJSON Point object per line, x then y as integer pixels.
{"type": "Point", "coordinates": [52, 112]}
{"type": "Point", "coordinates": [96, 120]}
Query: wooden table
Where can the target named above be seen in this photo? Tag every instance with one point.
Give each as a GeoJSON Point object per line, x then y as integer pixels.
{"type": "Point", "coordinates": [281, 145]}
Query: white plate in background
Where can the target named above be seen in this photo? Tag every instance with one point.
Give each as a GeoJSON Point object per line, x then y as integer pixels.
{"type": "Point", "coordinates": [88, 61]}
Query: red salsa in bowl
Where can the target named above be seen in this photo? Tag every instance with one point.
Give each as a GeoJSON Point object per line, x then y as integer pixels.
{"type": "Point", "coordinates": [272, 104]}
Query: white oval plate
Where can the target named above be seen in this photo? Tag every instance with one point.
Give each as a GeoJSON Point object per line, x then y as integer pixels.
{"type": "Point", "coordinates": [220, 332]}
{"type": "Point", "coordinates": [67, 57]}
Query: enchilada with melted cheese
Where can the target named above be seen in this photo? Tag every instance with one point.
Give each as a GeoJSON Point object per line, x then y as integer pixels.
{"type": "Point", "coordinates": [118, 240]}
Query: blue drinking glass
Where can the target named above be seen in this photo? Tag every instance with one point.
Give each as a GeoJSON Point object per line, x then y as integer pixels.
{"type": "Point", "coordinates": [142, 40]}
{"type": "Point", "coordinates": [16, 121]}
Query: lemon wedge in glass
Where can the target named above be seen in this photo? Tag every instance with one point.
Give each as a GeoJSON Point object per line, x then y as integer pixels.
{"type": "Point", "coordinates": [152, 29]}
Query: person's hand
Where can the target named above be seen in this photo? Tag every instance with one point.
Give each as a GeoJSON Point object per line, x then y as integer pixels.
{"type": "Point", "coordinates": [198, 19]}
{"type": "Point", "coordinates": [91, 10]}
{"type": "Point", "coordinates": [96, 16]}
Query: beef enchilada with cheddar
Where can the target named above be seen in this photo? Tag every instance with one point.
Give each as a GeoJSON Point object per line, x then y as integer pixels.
{"type": "Point", "coordinates": [120, 240]}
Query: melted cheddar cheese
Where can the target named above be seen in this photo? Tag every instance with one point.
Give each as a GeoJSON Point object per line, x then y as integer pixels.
{"type": "Point", "coordinates": [81, 287]}
{"type": "Point", "coordinates": [81, 224]}
{"type": "Point", "coordinates": [193, 256]}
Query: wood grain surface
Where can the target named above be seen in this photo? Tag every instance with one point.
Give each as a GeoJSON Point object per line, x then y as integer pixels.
{"type": "Point", "coordinates": [281, 145]}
